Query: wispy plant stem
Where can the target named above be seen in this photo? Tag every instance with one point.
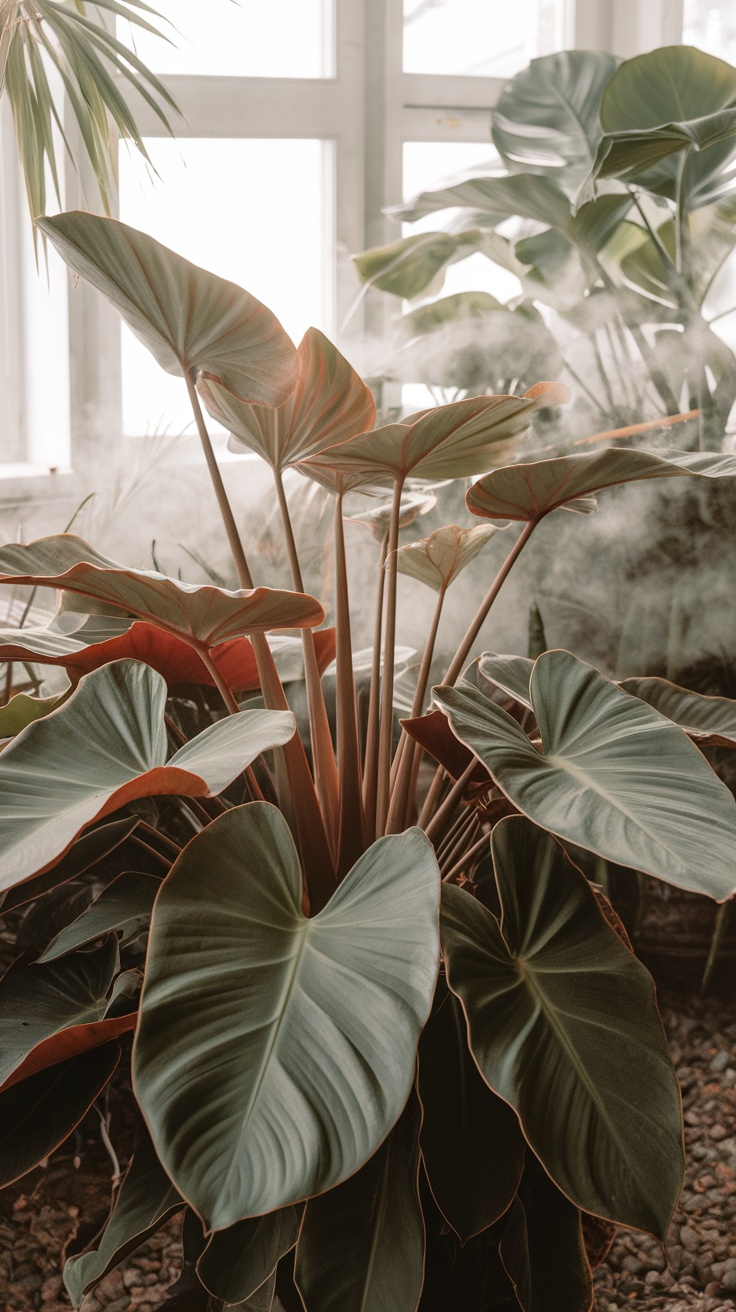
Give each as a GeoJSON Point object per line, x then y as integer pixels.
{"type": "Point", "coordinates": [352, 820]}
{"type": "Point", "coordinates": [408, 750]}
{"type": "Point", "coordinates": [374, 700]}
{"type": "Point", "coordinates": [237, 550]}
{"type": "Point", "coordinates": [222, 687]}
{"type": "Point", "coordinates": [435, 826]}
{"type": "Point", "coordinates": [385, 736]}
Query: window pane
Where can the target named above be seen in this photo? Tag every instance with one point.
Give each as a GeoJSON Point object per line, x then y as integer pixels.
{"type": "Point", "coordinates": [278, 38]}
{"type": "Point", "coordinates": [711, 27]}
{"type": "Point", "coordinates": [480, 38]}
{"type": "Point", "coordinates": [257, 212]}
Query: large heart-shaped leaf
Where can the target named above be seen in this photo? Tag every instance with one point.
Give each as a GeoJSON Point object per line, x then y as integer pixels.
{"type": "Point", "coordinates": [546, 121]}
{"type": "Point", "coordinates": [147, 1199]}
{"type": "Point", "coordinates": [472, 1146]}
{"type": "Point", "coordinates": [295, 1038]}
{"type": "Point", "coordinates": [612, 775]}
{"type": "Point", "coordinates": [563, 1024]}
{"type": "Point", "coordinates": [528, 492]}
{"type": "Point", "coordinates": [106, 747]}
{"type": "Point", "coordinates": [438, 559]}
{"type": "Point", "coordinates": [451, 441]}
{"type": "Point", "coordinates": [124, 908]}
{"type": "Point", "coordinates": [190, 319]}
{"type": "Point", "coordinates": [200, 614]}
{"type": "Point", "coordinates": [673, 98]}
{"type": "Point", "coordinates": [38, 1115]}
{"type": "Point", "coordinates": [379, 1259]}
{"type": "Point", "coordinates": [329, 404]}
{"type": "Point", "coordinates": [525, 195]}
{"type": "Point", "coordinates": [239, 1260]}
{"type": "Point", "coordinates": [50, 1013]}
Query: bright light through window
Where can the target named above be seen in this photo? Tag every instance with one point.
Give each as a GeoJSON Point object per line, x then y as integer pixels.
{"type": "Point", "coordinates": [253, 38]}
{"type": "Point", "coordinates": [480, 38]}
{"type": "Point", "coordinates": [257, 212]}
{"type": "Point", "coordinates": [710, 27]}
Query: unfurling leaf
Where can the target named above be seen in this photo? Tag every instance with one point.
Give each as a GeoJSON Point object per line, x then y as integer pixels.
{"type": "Point", "coordinates": [275, 1052]}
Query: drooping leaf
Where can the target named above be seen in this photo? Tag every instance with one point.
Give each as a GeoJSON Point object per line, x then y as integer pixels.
{"type": "Point", "coordinates": [38, 1115]}
{"type": "Point", "coordinates": [546, 121]}
{"type": "Point", "coordinates": [438, 559]}
{"type": "Point", "coordinates": [706, 719]}
{"type": "Point", "coordinates": [563, 1024]}
{"type": "Point", "coordinates": [239, 1260]}
{"type": "Point", "coordinates": [199, 613]}
{"type": "Point", "coordinates": [147, 1199]}
{"type": "Point", "coordinates": [310, 1025]}
{"type": "Point", "coordinates": [50, 1013]}
{"type": "Point", "coordinates": [528, 492]}
{"type": "Point", "coordinates": [22, 710]}
{"type": "Point", "coordinates": [612, 774]}
{"type": "Point", "coordinates": [378, 1261]}
{"type": "Point", "coordinates": [525, 195]}
{"type": "Point", "coordinates": [124, 908]}
{"type": "Point", "coordinates": [670, 99]}
{"type": "Point", "coordinates": [410, 266]}
{"type": "Point", "coordinates": [472, 1146]}
{"type": "Point", "coordinates": [85, 853]}
{"type": "Point", "coordinates": [189, 319]}
{"type": "Point", "coordinates": [543, 1249]}
{"type": "Point", "coordinates": [451, 441]}
{"type": "Point", "coordinates": [329, 403]}
{"type": "Point", "coordinates": [106, 747]}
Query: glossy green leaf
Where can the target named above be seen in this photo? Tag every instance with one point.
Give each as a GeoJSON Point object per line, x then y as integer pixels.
{"type": "Point", "coordinates": [239, 1260]}
{"type": "Point", "coordinates": [528, 492]}
{"type": "Point", "coordinates": [329, 403]}
{"type": "Point", "coordinates": [525, 195]}
{"type": "Point", "coordinates": [451, 441]}
{"type": "Point", "coordinates": [668, 100]}
{"type": "Point", "coordinates": [22, 710]}
{"type": "Point", "coordinates": [38, 1114]}
{"type": "Point", "coordinates": [123, 908]}
{"type": "Point", "coordinates": [472, 1146]}
{"type": "Point", "coordinates": [295, 1038]}
{"type": "Point", "coordinates": [199, 613]}
{"type": "Point", "coordinates": [361, 1245]}
{"type": "Point", "coordinates": [711, 718]}
{"type": "Point", "coordinates": [105, 747]}
{"type": "Point", "coordinates": [611, 774]}
{"type": "Point", "coordinates": [563, 1024]}
{"type": "Point", "coordinates": [438, 559]}
{"type": "Point", "coordinates": [546, 121]}
{"type": "Point", "coordinates": [411, 265]}
{"type": "Point", "coordinates": [147, 1199]}
{"type": "Point", "coordinates": [543, 1248]}
{"type": "Point", "coordinates": [38, 1002]}
{"type": "Point", "coordinates": [189, 319]}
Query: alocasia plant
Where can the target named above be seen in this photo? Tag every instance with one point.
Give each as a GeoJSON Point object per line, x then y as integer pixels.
{"type": "Point", "coordinates": [388, 1038]}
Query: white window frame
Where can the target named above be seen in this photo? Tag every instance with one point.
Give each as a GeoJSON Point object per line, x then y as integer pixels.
{"type": "Point", "coordinates": [368, 110]}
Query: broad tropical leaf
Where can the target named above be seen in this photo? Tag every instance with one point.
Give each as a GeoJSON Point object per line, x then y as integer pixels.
{"type": "Point", "coordinates": [438, 559]}
{"type": "Point", "coordinates": [543, 1247]}
{"type": "Point", "coordinates": [612, 774]}
{"type": "Point", "coordinates": [329, 403]}
{"type": "Point", "coordinates": [472, 1146]}
{"type": "Point", "coordinates": [563, 1024]}
{"type": "Point", "coordinates": [189, 319]}
{"type": "Point", "coordinates": [411, 265]}
{"type": "Point", "coordinates": [37, 1115]}
{"type": "Point", "coordinates": [123, 908]}
{"type": "Point", "coordinates": [378, 1261]}
{"type": "Point", "coordinates": [710, 720]}
{"type": "Point", "coordinates": [50, 1013]}
{"type": "Point", "coordinates": [528, 492]}
{"type": "Point", "coordinates": [147, 1199]}
{"type": "Point", "coordinates": [295, 1037]}
{"type": "Point", "coordinates": [22, 710]}
{"type": "Point", "coordinates": [668, 100]}
{"type": "Point", "coordinates": [525, 195]}
{"type": "Point", "coordinates": [238, 1261]}
{"type": "Point", "coordinates": [83, 855]}
{"type": "Point", "coordinates": [512, 674]}
{"type": "Point", "coordinates": [105, 747]}
{"type": "Point", "coordinates": [435, 736]}
{"type": "Point", "coordinates": [200, 614]}
{"type": "Point", "coordinates": [546, 121]}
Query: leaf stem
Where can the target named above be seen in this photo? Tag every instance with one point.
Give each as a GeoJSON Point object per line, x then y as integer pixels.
{"type": "Point", "coordinates": [371, 745]}
{"type": "Point", "coordinates": [408, 750]}
{"type": "Point", "coordinates": [236, 546]}
{"type": "Point", "coordinates": [385, 736]}
{"type": "Point", "coordinates": [351, 826]}
{"type": "Point", "coordinates": [433, 827]}
{"type": "Point", "coordinates": [465, 860]}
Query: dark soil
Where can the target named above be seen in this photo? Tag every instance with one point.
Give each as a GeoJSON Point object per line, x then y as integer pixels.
{"type": "Point", "coordinates": [62, 1204]}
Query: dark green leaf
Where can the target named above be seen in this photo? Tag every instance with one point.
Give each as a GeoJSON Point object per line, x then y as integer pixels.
{"type": "Point", "coordinates": [86, 852]}
{"type": "Point", "coordinates": [239, 1260]}
{"type": "Point", "coordinates": [124, 907]}
{"type": "Point", "coordinates": [543, 1250]}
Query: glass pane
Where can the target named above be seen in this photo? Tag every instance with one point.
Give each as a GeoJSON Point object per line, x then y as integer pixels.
{"type": "Point", "coordinates": [257, 212]}
{"type": "Point", "coordinates": [480, 38]}
{"type": "Point", "coordinates": [278, 38]}
{"type": "Point", "coordinates": [711, 27]}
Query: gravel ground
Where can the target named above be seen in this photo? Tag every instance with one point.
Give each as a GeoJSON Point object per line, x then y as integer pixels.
{"type": "Point", "coordinates": [66, 1202]}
